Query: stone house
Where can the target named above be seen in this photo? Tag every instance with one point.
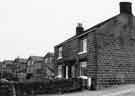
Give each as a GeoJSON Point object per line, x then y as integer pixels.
{"type": "Point", "coordinates": [105, 53]}
{"type": "Point", "coordinates": [34, 63]}
{"type": "Point", "coordinates": [21, 67]}
{"type": "Point", "coordinates": [8, 66]}
{"type": "Point", "coordinates": [49, 66]}
{"type": "Point", "coordinates": [1, 67]}
{"type": "Point", "coordinates": [8, 70]}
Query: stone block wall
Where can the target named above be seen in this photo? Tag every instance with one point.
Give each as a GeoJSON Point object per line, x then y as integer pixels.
{"type": "Point", "coordinates": [115, 53]}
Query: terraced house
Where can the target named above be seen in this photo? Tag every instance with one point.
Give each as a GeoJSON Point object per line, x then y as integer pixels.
{"type": "Point", "coordinates": [21, 68]}
{"type": "Point", "coordinates": [34, 63]}
{"type": "Point", "coordinates": [105, 53]}
{"type": "Point", "coordinates": [48, 65]}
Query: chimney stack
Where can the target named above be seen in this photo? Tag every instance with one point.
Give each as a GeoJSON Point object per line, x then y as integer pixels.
{"type": "Point", "coordinates": [125, 7]}
{"type": "Point", "coordinates": [79, 29]}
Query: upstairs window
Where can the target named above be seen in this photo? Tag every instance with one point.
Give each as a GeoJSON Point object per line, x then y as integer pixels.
{"type": "Point", "coordinates": [83, 46]}
{"type": "Point", "coordinates": [60, 52]}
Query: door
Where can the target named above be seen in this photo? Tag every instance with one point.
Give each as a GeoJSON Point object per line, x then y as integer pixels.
{"type": "Point", "coordinates": [73, 71]}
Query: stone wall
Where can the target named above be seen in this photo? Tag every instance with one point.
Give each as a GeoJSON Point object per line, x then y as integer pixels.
{"type": "Point", "coordinates": [116, 52]}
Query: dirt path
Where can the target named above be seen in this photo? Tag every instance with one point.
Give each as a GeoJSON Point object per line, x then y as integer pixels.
{"type": "Point", "coordinates": [123, 90]}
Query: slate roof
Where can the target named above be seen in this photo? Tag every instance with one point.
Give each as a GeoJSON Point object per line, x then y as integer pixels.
{"type": "Point", "coordinates": [36, 58]}
{"type": "Point", "coordinates": [88, 30]}
{"type": "Point", "coordinates": [8, 62]}
{"type": "Point", "coordinates": [20, 60]}
{"type": "Point", "coordinates": [49, 54]}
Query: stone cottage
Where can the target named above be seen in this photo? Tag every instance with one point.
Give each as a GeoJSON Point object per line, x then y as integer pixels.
{"type": "Point", "coordinates": [105, 53]}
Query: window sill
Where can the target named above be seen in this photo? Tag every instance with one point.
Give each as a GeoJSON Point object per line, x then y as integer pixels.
{"type": "Point", "coordinates": [59, 76]}
{"type": "Point", "coordinates": [83, 77]}
{"type": "Point", "coordinates": [59, 58]}
{"type": "Point", "coordinates": [82, 52]}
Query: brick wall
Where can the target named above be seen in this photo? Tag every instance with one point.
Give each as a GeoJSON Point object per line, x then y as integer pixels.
{"type": "Point", "coordinates": [111, 52]}
{"type": "Point", "coordinates": [92, 57]}
{"type": "Point", "coordinates": [116, 52]}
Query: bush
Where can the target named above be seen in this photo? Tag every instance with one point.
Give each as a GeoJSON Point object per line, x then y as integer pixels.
{"type": "Point", "coordinates": [49, 87]}
{"type": "Point", "coordinates": [6, 89]}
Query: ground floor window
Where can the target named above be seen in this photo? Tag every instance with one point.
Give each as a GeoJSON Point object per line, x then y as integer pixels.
{"type": "Point", "coordinates": [83, 66]}
{"type": "Point", "coordinates": [59, 71]}
{"type": "Point", "coordinates": [66, 72]}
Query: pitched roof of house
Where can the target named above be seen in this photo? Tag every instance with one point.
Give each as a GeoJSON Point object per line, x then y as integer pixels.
{"type": "Point", "coordinates": [8, 62]}
{"type": "Point", "coordinates": [51, 68]}
{"type": "Point", "coordinates": [49, 54]}
{"type": "Point", "coordinates": [20, 60]}
{"type": "Point", "coordinates": [88, 30]}
{"type": "Point", "coordinates": [36, 58]}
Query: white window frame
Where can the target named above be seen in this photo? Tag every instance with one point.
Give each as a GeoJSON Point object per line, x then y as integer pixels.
{"type": "Point", "coordinates": [82, 66]}
{"type": "Point", "coordinates": [60, 52]}
{"type": "Point", "coordinates": [84, 46]}
{"type": "Point", "coordinates": [59, 71]}
{"type": "Point", "coordinates": [67, 72]}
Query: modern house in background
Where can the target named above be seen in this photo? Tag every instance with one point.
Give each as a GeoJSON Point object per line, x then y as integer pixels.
{"type": "Point", "coordinates": [105, 53]}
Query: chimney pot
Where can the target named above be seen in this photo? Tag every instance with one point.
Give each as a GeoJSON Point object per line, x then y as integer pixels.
{"type": "Point", "coordinates": [125, 7]}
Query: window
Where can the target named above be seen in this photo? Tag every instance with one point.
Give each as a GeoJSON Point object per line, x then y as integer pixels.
{"type": "Point", "coordinates": [46, 60]}
{"type": "Point", "coordinates": [29, 62]}
{"type": "Point", "coordinates": [66, 72]}
{"type": "Point", "coordinates": [60, 71]}
{"type": "Point", "coordinates": [60, 52]}
{"type": "Point", "coordinates": [83, 46]}
{"type": "Point", "coordinates": [32, 62]}
{"type": "Point", "coordinates": [83, 66]}
{"type": "Point", "coordinates": [50, 60]}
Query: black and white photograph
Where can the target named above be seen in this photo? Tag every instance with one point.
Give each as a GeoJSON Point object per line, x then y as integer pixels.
{"type": "Point", "coordinates": [67, 48]}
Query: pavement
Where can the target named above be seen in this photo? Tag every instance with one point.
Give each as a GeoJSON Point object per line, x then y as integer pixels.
{"type": "Point", "coordinates": [122, 90]}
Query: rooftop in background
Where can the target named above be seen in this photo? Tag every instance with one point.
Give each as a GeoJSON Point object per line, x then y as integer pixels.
{"type": "Point", "coordinates": [36, 58]}
{"type": "Point", "coordinates": [49, 54]}
{"type": "Point", "coordinates": [20, 60]}
{"type": "Point", "coordinates": [8, 62]}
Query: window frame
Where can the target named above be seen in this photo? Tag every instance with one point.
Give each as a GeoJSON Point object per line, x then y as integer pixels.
{"type": "Point", "coordinates": [83, 45]}
{"type": "Point", "coordinates": [60, 71]}
{"type": "Point", "coordinates": [82, 68]}
{"type": "Point", "coordinates": [60, 49]}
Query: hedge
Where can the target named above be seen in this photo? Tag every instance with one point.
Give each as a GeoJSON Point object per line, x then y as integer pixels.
{"type": "Point", "coordinates": [55, 86]}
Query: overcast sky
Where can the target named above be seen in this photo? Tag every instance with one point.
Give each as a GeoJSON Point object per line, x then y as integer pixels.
{"type": "Point", "coordinates": [34, 27]}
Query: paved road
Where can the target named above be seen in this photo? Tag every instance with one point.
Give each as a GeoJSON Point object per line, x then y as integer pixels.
{"type": "Point", "coordinates": [124, 90]}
